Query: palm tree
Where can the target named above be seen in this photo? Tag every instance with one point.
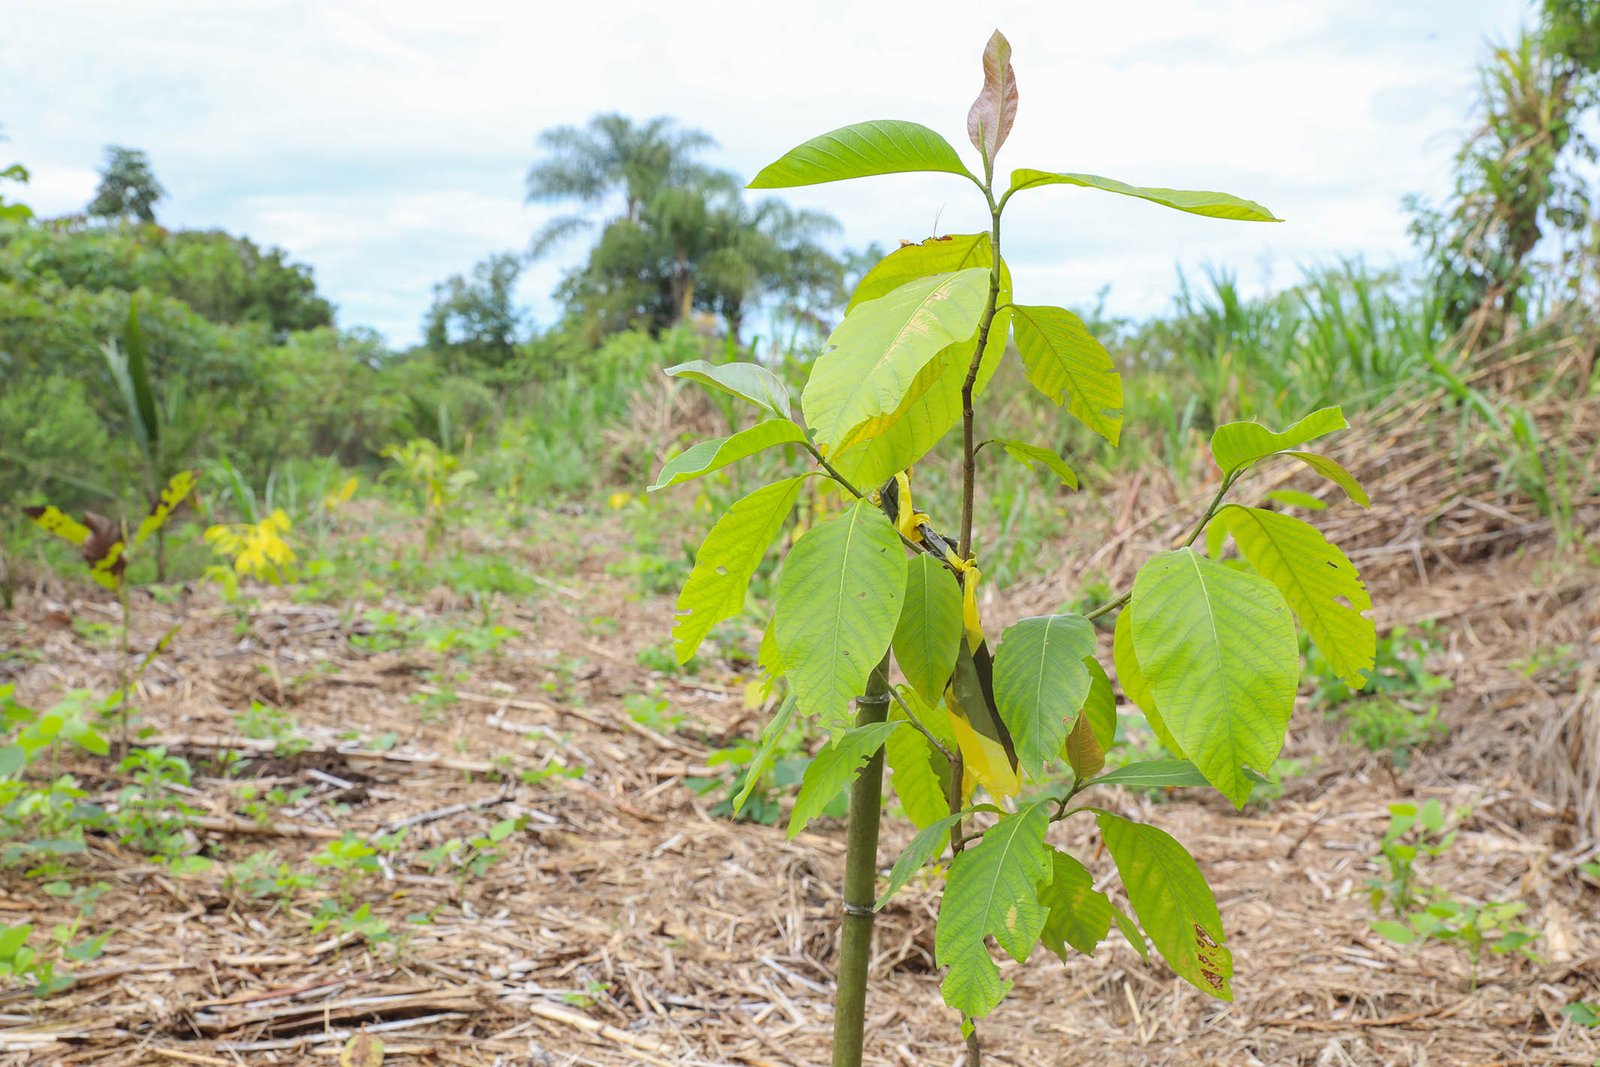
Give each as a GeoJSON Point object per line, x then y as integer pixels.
{"type": "Point", "coordinates": [771, 248]}
{"type": "Point", "coordinates": [610, 155]}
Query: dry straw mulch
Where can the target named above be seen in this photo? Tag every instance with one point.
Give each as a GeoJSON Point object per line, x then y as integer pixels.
{"type": "Point", "coordinates": [631, 926]}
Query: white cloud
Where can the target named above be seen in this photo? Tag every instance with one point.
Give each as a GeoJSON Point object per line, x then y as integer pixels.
{"type": "Point", "coordinates": [385, 142]}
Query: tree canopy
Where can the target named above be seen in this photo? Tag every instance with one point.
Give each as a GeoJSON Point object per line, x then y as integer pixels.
{"type": "Point", "coordinates": [128, 187]}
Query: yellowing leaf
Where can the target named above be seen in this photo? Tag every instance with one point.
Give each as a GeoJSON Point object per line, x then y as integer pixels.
{"type": "Point", "coordinates": [878, 350]}
{"type": "Point", "coordinates": [727, 559]}
{"type": "Point", "coordinates": [53, 520]}
{"type": "Point", "coordinates": [936, 255]}
{"type": "Point", "coordinates": [1173, 902]}
{"type": "Point", "coordinates": [1317, 579]}
{"type": "Point", "coordinates": [176, 490]}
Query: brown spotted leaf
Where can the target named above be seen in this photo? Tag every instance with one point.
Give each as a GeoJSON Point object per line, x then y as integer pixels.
{"type": "Point", "coordinates": [995, 110]}
{"type": "Point", "coordinates": [103, 550]}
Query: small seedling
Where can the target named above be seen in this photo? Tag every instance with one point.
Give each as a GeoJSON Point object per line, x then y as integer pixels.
{"type": "Point", "coordinates": [1430, 913]}
{"type": "Point", "coordinates": [1207, 650]}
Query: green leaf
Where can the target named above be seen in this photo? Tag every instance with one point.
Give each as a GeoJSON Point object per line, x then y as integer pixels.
{"type": "Point", "coordinates": [727, 558]}
{"type": "Point", "coordinates": [929, 842]}
{"type": "Point", "coordinates": [1219, 648]}
{"type": "Point", "coordinates": [1130, 930]}
{"type": "Point", "coordinates": [1399, 933]}
{"type": "Point", "coordinates": [835, 767]}
{"type": "Point", "coordinates": [1196, 202]}
{"type": "Point", "coordinates": [919, 773]}
{"type": "Point", "coordinates": [1236, 445]}
{"type": "Point", "coordinates": [1078, 915]}
{"type": "Point", "coordinates": [13, 938]}
{"type": "Point", "coordinates": [992, 114]}
{"type": "Point", "coordinates": [708, 456]}
{"type": "Point", "coordinates": [1173, 902]}
{"type": "Point", "coordinates": [1318, 581]}
{"type": "Point", "coordinates": [1067, 364]}
{"type": "Point", "coordinates": [138, 374]}
{"type": "Point", "coordinates": [1335, 473]}
{"type": "Point", "coordinates": [937, 255]}
{"type": "Point", "coordinates": [748, 381]}
{"type": "Point", "coordinates": [992, 890]}
{"type": "Point", "coordinates": [886, 146]}
{"type": "Point", "coordinates": [838, 602]}
{"type": "Point", "coordinates": [875, 354]}
{"type": "Point", "coordinates": [1134, 683]}
{"type": "Point", "coordinates": [930, 628]}
{"type": "Point", "coordinates": [932, 408]}
{"type": "Point", "coordinates": [1150, 774]}
{"type": "Point", "coordinates": [1035, 456]}
{"type": "Point", "coordinates": [1041, 682]}
{"type": "Point", "coordinates": [1293, 498]}
{"type": "Point", "coordinates": [771, 737]}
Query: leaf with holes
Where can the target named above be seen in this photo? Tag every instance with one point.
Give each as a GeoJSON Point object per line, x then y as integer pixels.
{"type": "Point", "coordinates": [1173, 902]}
{"type": "Point", "coordinates": [835, 767]}
{"type": "Point", "coordinates": [1319, 582]}
{"type": "Point", "coordinates": [992, 890]}
{"type": "Point", "coordinates": [727, 559]}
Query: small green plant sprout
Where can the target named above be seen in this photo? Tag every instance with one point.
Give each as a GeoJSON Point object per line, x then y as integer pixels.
{"type": "Point", "coordinates": [438, 480]}
{"type": "Point", "coordinates": [1413, 832]}
{"type": "Point", "coordinates": [1207, 649]}
{"type": "Point", "coordinates": [473, 857]}
{"type": "Point", "coordinates": [106, 549]}
{"type": "Point", "coordinates": [1430, 913]}
{"type": "Point", "coordinates": [259, 550]}
{"type": "Point", "coordinates": [20, 960]}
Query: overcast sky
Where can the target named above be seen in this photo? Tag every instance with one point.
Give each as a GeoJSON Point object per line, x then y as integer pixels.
{"type": "Point", "coordinates": [385, 143]}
